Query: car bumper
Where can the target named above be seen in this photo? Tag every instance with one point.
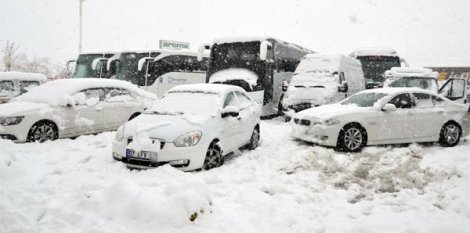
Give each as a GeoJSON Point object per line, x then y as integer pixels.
{"type": "Point", "coordinates": [16, 133]}
{"type": "Point", "coordinates": [183, 158]}
{"type": "Point", "coordinates": [318, 134]}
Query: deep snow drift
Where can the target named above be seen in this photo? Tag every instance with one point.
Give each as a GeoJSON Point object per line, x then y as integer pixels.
{"type": "Point", "coordinates": [283, 186]}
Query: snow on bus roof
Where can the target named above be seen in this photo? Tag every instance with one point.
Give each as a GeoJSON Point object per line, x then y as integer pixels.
{"type": "Point", "coordinates": [205, 88]}
{"type": "Point", "coordinates": [58, 92]}
{"type": "Point", "coordinates": [405, 71]}
{"type": "Point", "coordinates": [16, 75]}
{"type": "Point", "coordinates": [233, 39]}
{"type": "Point", "coordinates": [176, 52]}
{"type": "Point", "coordinates": [374, 51]}
{"type": "Point", "coordinates": [98, 52]}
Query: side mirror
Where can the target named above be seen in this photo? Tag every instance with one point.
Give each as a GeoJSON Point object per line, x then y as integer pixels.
{"type": "Point", "coordinates": [201, 50]}
{"type": "Point", "coordinates": [263, 50]}
{"type": "Point", "coordinates": [68, 66]}
{"type": "Point", "coordinates": [285, 85]}
{"type": "Point", "coordinates": [230, 111]}
{"type": "Point", "coordinates": [97, 61]}
{"type": "Point", "coordinates": [343, 87]}
{"type": "Point", "coordinates": [389, 108]}
{"type": "Point", "coordinates": [143, 61]}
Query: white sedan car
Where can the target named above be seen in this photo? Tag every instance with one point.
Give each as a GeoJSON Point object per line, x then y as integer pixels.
{"type": "Point", "coordinates": [191, 127]}
{"type": "Point", "coordinates": [70, 108]}
{"type": "Point", "coordinates": [384, 116]}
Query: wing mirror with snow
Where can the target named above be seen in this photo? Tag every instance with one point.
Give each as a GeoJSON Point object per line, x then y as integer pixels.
{"type": "Point", "coordinates": [144, 61]}
{"type": "Point", "coordinates": [389, 108]}
{"type": "Point", "coordinates": [230, 111]}
{"type": "Point", "coordinates": [285, 85]}
{"type": "Point", "coordinates": [343, 87]}
{"type": "Point", "coordinates": [263, 50]}
{"type": "Point", "coordinates": [201, 50]}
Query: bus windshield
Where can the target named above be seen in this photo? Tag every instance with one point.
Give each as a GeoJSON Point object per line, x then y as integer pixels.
{"type": "Point", "coordinates": [83, 67]}
{"type": "Point", "coordinates": [128, 67]}
{"type": "Point", "coordinates": [374, 67]}
{"type": "Point", "coordinates": [236, 55]}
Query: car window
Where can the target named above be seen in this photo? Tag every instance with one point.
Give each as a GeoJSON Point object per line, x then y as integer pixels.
{"type": "Point", "coordinates": [230, 99]}
{"type": "Point", "coordinates": [25, 86]}
{"type": "Point", "coordinates": [243, 101]}
{"type": "Point", "coordinates": [117, 95]}
{"type": "Point", "coordinates": [423, 100]}
{"type": "Point", "coordinates": [6, 88]}
{"type": "Point", "coordinates": [93, 95]}
{"type": "Point", "coordinates": [438, 102]}
{"type": "Point", "coordinates": [454, 89]}
{"type": "Point", "coordinates": [402, 101]}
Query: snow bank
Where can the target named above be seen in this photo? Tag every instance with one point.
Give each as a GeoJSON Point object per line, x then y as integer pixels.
{"type": "Point", "coordinates": [235, 74]}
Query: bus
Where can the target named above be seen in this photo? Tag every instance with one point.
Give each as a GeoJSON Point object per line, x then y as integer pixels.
{"type": "Point", "coordinates": [375, 61]}
{"type": "Point", "coordinates": [91, 65]}
{"type": "Point", "coordinates": [158, 70]}
{"type": "Point", "coordinates": [259, 65]}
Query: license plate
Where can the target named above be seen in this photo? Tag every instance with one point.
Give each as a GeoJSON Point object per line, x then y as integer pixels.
{"type": "Point", "coordinates": [141, 155]}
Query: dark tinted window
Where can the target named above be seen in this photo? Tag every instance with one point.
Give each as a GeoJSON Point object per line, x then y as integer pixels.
{"type": "Point", "coordinates": [423, 100]}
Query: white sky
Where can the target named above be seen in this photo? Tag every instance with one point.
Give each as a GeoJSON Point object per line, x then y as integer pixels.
{"type": "Point", "coordinates": [425, 32]}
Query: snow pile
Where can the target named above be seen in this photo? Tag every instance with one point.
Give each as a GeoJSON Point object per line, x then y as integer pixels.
{"type": "Point", "coordinates": [235, 74]}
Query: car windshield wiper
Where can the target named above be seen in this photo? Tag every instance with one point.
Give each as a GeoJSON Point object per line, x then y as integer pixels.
{"type": "Point", "coordinates": [160, 113]}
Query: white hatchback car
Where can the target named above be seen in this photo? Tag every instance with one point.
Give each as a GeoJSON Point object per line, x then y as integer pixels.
{"type": "Point", "coordinates": [70, 108]}
{"type": "Point", "coordinates": [384, 116]}
{"type": "Point", "coordinates": [192, 127]}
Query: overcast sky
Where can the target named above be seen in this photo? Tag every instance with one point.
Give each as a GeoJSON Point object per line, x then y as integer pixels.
{"type": "Point", "coordinates": [425, 32]}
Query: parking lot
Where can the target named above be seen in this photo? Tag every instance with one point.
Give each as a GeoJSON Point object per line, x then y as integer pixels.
{"type": "Point", "coordinates": [282, 186]}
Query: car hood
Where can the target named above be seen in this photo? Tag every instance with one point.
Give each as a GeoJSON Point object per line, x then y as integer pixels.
{"type": "Point", "coordinates": [21, 108]}
{"type": "Point", "coordinates": [313, 95]}
{"type": "Point", "coordinates": [166, 127]}
{"type": "Point", "coordinates": [331, 111]}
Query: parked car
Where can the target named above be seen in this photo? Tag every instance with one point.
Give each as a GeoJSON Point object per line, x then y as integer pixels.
{"type": "Point", "coordinates": [14, 83]}
{"type": "Point", "coordinates": [322, 79]}
{"type": "Point", "coordinates": [384, 116]}
{"type": "Point", "coordinates": [412, 77]}
{"type": "Point", "coordinates": [70, 108]}
{"type": "Point", "coordinates": [192, 127]}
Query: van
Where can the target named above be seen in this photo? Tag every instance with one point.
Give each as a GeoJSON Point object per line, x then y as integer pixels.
{"type": "Point", "coordinates": [412, 77]}
{"type": "Point", "coordinates": [457, 89]}
{"type": "Point", "coordinates": [14, 83]}
{"type": "Point", "coordinates": [322, 79]}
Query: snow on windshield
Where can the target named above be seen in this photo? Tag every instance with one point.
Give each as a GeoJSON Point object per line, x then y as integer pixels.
{"type": "Point", "coordinates": [186, 102]}
{"type": "Point", "coordinates": [367, 99]}
{"type": "Point", "coordinates": [318, 63]}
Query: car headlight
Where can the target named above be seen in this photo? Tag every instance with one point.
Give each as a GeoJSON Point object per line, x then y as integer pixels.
{"type": "Point", "coordinates": [119, 133]}
{"type": "Point", "coordinates": [10, 120]}
{"type": "Point", "coordinates": [188, 139]}
{"type": "Point", "coordinates": [330, 122]}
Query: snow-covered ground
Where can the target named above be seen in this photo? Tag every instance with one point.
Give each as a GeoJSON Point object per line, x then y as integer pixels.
{"type": "Point", "coordinates": [283, 186]}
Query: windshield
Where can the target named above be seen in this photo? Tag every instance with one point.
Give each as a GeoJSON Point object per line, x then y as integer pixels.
{"type": "Point", "coordinates": [236, 55]}
{"type": "Point", "coordinates": [192, 103]}
{"type": "Point", "coordinates": [83, 67]}
{"type": "Point", "coordinates": [6, 88]}
{"type": "Point", "coordinates": [320, 79]}
{"type": "Point", "coordinates": [317, 65]}
{"type": "Point", "coordinates": [128, 68]}
{"type": "Point", "coordinates": [374, 67]}
{"type": "Point", "coordinates": [424, 83]}
{"type": "Point", "coordinates": [364, 99]}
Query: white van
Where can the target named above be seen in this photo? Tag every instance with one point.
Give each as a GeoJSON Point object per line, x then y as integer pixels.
{"type": "Point", "coordinates": [14, 83]}
{"type": "Point", "coordinates": [412, 77]}
{"type": "Point", "coordinates": [322, 79]}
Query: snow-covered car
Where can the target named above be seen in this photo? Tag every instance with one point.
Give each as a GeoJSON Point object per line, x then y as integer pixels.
{"type": "Point", "coordinates": [384, 116]}
{"type": "Point", "coordinates": [322, 79]}
{"type": "Point", "coordinates": [70, 108]}
{"type": "Point", "coordinates": [15, 83]}
{"type": "Point", "coordinates": [412, 77]}
{"type": "Point", "coordinates": [192, 127]}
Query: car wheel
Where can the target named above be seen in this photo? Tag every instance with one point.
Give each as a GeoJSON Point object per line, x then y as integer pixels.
{"type": "Point", "coordinates": [214, 157]}
{"type": "Point", "coordinates": [43, 131]}
{"type": "Point", "coordinates": [450, 134]}
{"type": "Point", "coordinates": [352, 138]}
{"type": "Point", "coordinates": [254, 140]}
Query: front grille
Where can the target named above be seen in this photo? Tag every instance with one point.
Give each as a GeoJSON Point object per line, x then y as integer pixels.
{"type": "Point", "coordinates": [8, 137]}
{"type": "Point", "coordinates": [162, 143]}
{"type": "Point", "coordinates": [148, 163]}
{"type": "Point", "coordinates": [301, 106]}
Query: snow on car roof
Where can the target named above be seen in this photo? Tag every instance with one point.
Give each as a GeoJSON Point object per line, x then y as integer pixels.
{"type": "Point", "coordinates": [374, 51]}
{"type": "Point", "coordinates": [205, 88]}
{"type": "Point", "coordinates": [405, 71]}
{"type": "Point", "coordinates": [396, 90]}
{"type": "Point", "coordinates": [15, 75]}
{"type": "Point", "coordinates": [57, 92]}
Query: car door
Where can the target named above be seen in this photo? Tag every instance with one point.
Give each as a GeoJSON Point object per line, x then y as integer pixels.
{"type": "Point", "coordinates": [397, 126]}
{"type": "Point", "coordinates": [119, 105]}
{"type": "Point", "coordinates": [427, 117]}
{"type": "Point", "coordinates": [247, 117]}
{"type": "Point", "coordinates": [231, 132]}
{"type": "Point", "coordinates": [455, 90]}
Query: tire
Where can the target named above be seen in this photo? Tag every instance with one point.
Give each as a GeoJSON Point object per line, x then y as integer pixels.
{"type": "Point", "coordinates": [450, 134]}
{"type": "Point", "coordinates": [254, 140]}
{"type": "Point", "coordinates": [352, 138]}
{"type": "Point", "coordinates": [214, 157]}
{"type": "Point", "coordinates": [43, 131]}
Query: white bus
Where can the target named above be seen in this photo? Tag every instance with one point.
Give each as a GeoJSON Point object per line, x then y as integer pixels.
{"type": "Point", "coordinates": [259, 65]}
{"type": "Point", "coordinates": [158, 70]}
{"type": "Point", "coordinates": [375, 61]}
